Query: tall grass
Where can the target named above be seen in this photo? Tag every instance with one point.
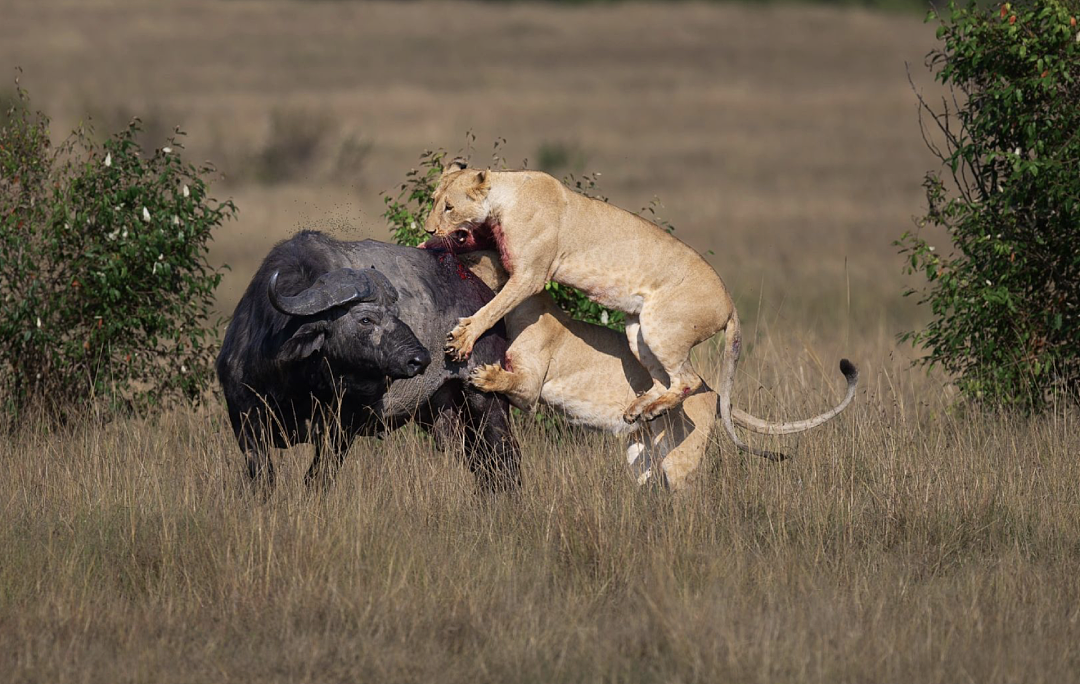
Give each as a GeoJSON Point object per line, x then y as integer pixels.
{"type": "Point", "coordinates": [903, 542]}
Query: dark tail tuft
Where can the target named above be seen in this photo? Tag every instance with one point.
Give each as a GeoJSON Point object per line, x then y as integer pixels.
{"type": "Point", "coordinates": [849, 370]}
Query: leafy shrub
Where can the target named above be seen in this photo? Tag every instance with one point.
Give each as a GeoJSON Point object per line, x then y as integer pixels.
{"type": "Point", "coordinates": [104, 281]}
{"type": "Point", "coordinates": [1006, 298]}
{"type": "Point", "coordinates": [407, 211]}
{"type": "Point", "coordinates": [10, 104]}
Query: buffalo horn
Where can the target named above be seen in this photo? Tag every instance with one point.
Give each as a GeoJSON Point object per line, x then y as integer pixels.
{"type": "Point", "coordinates": [335, 288]}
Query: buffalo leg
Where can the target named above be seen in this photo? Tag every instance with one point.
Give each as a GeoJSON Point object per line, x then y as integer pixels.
{"type": "Point", "coordinates": [490, 448]}
{"type": "Point", "coordinates": [251, 433]}
{"type": "Point", "coordinates": [331, 446]}
{"type": "Point", "coordinates": [442, 417]}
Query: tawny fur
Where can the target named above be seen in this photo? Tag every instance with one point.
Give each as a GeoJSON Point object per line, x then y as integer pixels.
{"type": "Point", "coordinates": [588, 372]}
{"type": "Point", "coordinates": [545, 231]}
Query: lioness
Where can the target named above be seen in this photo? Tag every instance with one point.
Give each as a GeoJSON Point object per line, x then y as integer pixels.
{"type": "Point", "coordinates": [589, 373]}
{"type": "Point", "coordinates": [545, 231]}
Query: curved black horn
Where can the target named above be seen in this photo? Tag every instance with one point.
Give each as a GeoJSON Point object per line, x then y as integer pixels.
{"type": "Point", "coordinates": [335, 288]}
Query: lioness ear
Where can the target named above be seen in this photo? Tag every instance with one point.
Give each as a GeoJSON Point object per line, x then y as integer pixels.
{"type": "Point", "coordinates": [480, 187]}
{"type": "Point", "coordinates": [483, 184]}
{"type": "Point", "coordinates": [459, 164]}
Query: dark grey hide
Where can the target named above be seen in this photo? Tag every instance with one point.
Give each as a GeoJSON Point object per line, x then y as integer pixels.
{"type": "Point", "coordinates": [277, 396]}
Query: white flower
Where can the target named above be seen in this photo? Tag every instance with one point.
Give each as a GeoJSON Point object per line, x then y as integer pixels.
{"type": "Point", "coordinates": [931, 248]}
{"type": "Point", "coordinates": [112, 235]}
{"type": "Point", "coordinates": [39, 321]}
{"type": "Point", "coordinates": [187, 193]}
{"type": "Point", "coordinates": [603, 317]}
{"type": "Point", "coordinates": [146, 214]}
{"type": "Point", "coordinates": [153, 271]}
{"type": "Point", "coordinates": [160, 257]}
{"type": "Point", "coordinates": [108, 159]}
{"type": "Point", "coordinates": [166, 150]}
{"type": "Point", "coordinates": [123, 236]}
{"type": "Point", "coordinates": [183, 368]}
{"type": "Point", "coordinates": [988, 283]}
{"type": "Point", "coordinates": [175, 220]}
{"type": "Point", "coordinates": [412, 226]}
{"type": "Point", "coordinates": [1017, 151]}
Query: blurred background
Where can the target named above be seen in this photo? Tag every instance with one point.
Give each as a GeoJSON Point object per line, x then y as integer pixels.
{"type": "Point", "coordinates": [782, 140]}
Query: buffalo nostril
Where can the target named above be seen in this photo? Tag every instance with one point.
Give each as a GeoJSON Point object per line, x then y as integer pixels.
{"type": "Point", "coordinates": [418, 363]}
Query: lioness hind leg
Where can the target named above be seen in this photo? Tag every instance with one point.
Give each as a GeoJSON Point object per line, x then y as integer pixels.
{"type": "Point", "coordinates": [491, 378]}
{"type": "Point", "coordinates": [694, 423]}
{"type": "Point", "coordinates": [521, 386]}
{"type": "Point", "coordinates": [647, 359]}
{"type": "Point", "coordinates": [684, 383]}
{"type": "Point", "coordinates": [670, 328]}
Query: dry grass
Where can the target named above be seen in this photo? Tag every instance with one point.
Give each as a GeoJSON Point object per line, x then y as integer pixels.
{"type": "Point", "coordinates": [902, 543]}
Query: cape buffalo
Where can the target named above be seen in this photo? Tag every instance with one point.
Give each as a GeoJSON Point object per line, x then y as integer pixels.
{"type": "Point", "coordinates": [324, 327]}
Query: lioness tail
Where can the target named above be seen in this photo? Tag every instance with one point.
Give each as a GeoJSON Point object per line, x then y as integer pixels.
{"type": "Point", "coordinates": [732, 348]}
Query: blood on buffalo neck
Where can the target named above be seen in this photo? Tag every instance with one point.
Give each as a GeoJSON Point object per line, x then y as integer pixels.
{"type": "Point", "coordinates": [485, 236]}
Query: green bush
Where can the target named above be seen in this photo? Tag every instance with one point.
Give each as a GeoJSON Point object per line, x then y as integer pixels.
{"type": "Point", "coordinates": [406, 212]}
{"type": "Point", "coordinates": [1006, 297]}
{"type": "Point", "coordinates": [104, 281]}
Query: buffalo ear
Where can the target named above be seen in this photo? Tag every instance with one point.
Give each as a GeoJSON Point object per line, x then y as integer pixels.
{"type": "Point", "coordinates": [308, 339]}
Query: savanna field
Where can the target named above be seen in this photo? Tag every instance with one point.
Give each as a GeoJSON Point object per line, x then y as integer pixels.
{"type": "Point", "coordinates": [910, 539]}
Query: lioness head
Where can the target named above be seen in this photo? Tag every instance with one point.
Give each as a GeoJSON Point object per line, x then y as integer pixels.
{"type": "Point", "coordinates": [459, 220]}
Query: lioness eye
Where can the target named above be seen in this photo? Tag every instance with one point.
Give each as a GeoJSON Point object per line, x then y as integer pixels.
{"type": "Point", "coordinates": [449, 207]}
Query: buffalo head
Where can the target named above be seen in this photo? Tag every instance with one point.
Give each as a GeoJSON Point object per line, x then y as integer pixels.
{"type": "Point", "coordinates": [350, 317]}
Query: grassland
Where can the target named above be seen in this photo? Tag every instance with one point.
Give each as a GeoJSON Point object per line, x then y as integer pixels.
{"type": "Point", "coordinates": [902, 543]}
{"type": "Point", "coordinates": [909, 540]}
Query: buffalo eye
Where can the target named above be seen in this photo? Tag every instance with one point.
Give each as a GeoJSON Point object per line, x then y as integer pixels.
{"type": "Point", "coordinates": [366, 321]}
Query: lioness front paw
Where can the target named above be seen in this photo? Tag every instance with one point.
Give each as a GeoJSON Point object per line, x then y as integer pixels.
{"type": "Point", "coordinates": [459, 343]}
{"type": "Point", "coordinates": [489, 378]}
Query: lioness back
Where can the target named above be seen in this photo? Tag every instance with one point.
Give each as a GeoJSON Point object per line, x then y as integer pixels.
{"type": "Point", "coordinates": [618, 259]}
